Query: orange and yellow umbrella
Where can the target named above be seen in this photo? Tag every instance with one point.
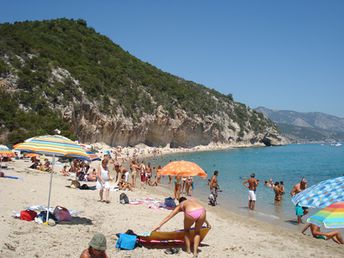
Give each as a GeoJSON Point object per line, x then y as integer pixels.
{"type": "Point", "coordinates": [6, 152]}
{"type": "Point", "coordinates": [183, 168]}
{"type": "Point", "coordinates": [30, 155]}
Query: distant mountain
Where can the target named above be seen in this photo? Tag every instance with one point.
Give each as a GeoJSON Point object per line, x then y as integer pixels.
{"type": "Point", "coordinates": [305, 127]}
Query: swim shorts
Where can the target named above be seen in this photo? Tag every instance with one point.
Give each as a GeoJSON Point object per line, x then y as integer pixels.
{"type": "Point", "coordinates": [252, 195]}
{"type": "Point", "coordinates": [320, 237]}
{"type": "Point", "coordinates": [299, 210]}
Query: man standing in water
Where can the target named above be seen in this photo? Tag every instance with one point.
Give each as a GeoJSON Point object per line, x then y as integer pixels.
{"type": "Point", "coordinates": [251, 184]}
{"type": "Point", "coordinates": [300, 211]}
{"type": "Point", "coordinates": [214, 186]}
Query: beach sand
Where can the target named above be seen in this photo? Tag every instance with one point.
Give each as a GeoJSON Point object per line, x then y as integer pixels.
{"type": "Point", "coordinates": [231, 235]}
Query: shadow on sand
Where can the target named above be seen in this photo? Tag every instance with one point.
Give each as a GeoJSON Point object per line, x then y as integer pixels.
{"type": "Point", "coordinates": [77, 221]}
{"type": "Point", "coordinates": [291, 221]}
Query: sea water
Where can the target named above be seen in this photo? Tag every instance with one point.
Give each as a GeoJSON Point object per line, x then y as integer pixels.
{"type": "Point", "coordinates": [290, 163]}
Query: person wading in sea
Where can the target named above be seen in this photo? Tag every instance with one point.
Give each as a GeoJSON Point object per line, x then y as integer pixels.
{"type": "Point", "coordinates": [299, 187]}
{"type": "Point", "coordinates": [214, 186]}
{"type": "Point", "coordinates": [251, 184]}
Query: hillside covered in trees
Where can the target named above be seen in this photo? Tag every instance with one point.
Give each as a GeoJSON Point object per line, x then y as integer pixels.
{"type": "Point", "coordinates": [63, 74]}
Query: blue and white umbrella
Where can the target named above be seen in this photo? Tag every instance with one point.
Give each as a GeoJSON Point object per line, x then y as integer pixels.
{"type": "Point", "coordinates": [322, 194]}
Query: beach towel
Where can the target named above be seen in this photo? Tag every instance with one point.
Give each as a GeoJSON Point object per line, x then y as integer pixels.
{"type": "Point", "coordinates": [151, 203]}
{"type": "Point", "coordinates": [11, 177]}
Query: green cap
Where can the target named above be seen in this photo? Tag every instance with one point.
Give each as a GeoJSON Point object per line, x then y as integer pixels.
{"type": "Point", "coordinates": [98, 242]}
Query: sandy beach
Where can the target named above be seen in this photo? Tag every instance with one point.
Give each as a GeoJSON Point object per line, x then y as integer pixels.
{"type": "Point", "coordinates": [231, 235]}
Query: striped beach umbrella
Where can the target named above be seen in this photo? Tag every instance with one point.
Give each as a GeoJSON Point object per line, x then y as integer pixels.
{"type": "Point", "coordinates": [183, 168]}
{"type": "Point", "coordinates": [5, 152]}
{"type": "Point", "coordinates": [322, 194]}
{"type": "Point", "coordinates": [331, 217]}
{"type": "Point", "coordinates": [53, 145]}
{"type": "Point", "coordinates": [93, 156]}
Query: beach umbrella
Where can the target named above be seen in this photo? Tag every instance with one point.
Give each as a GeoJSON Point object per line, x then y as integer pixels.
{"type": "Point", "coordinates": [30, 155]}
{"type": "Point", "coordinates": [322, 194]}
{"type": "Point", "coordinates": [55, 146]}
{"type": "Point", "coordinates": [93, 156]}
{"type": "Point", "coordinates": [5, 152]}
{"type": "Point", "coordinates": [182, 168]}
{"type": "Point", "coordinates": [331, 217]}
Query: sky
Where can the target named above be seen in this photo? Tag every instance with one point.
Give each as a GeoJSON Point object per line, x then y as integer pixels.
{"type": "Point", "coordinates": [286, 55]}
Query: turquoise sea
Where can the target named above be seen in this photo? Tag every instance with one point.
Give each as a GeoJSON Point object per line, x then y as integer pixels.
{"type": "Point", "coordinates": [315, 162]}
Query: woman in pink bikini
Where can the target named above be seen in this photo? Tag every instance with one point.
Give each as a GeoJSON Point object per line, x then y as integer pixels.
{"type": "Point", "coordinates": [193, 213]}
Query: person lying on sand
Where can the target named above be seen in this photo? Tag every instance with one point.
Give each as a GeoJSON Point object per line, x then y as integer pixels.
{"type": "Point", "coordinates": [92, 176]}
{"type": "Point", "coordinates": [316, 233]}
{"type": "Point", "coordinates": [97, 247]}
{"type": "Point", "coordinates": [194, 213]}
{"type": "Point", "coordinates": [123, 185]}
{"type": "Point", "coordinates": [65, 171]}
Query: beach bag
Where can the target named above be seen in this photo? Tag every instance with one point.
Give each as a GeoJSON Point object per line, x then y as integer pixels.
{"type": "Point", "coordinates": [28, 215]}
{"type": "Point", "coordinates": [62, 214]}
{"type": "Point", "coordinates": [123, 198]}
{"type": "Point", "coordinates": [2, 174]}
{"type": "Point", "coordinates": [126, 242]}
{"type": "Point", "coordinates": [43, 216]}
{"type": "Point", "coordinates": [75, 184]}
{"type": "Point", "coordinates": [169, 202]}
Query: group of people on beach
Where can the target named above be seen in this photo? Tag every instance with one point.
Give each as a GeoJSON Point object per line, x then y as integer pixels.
{"type": "Point", "coordinates": [278, 187]}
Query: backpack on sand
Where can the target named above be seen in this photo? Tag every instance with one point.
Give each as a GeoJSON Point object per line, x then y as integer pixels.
{"type": "Point", "coordinates": [169, 202]}
{"type": "Point", "coordinates": [28, 215]}
{"type": "Point", "coordinates": [123, 198]}
{"type": "Point", "coordinates": [126, 242]}
{"type": "Point", "coordinates": [62, 214]}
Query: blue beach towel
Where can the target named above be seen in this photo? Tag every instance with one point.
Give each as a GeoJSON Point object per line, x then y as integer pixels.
{"type": "Point", "coordinates": [11, 177]}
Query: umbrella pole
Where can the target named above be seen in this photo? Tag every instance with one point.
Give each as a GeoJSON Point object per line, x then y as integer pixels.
{"type": "Point", "coordinates": [51, 180]}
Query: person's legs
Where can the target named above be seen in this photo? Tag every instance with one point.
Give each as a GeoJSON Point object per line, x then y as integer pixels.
{"type": "Point", "coordinates": [178, 191]}
{"type": "Point", "coordinates": [187, 189]}
{"type": "Point", "coordinates": [107, 192]}
{"type": "Point", "coordinates": [188, 222]}
{"type": "Point", "coordinates": [249, 204]}
{"type": "Point", "coordinates": [197, 237]}
{"type": "Point", "coordinates": [335, 236]}
{"type": "Point", "coordinates": [253, 205]}
{"type": "Point", "coordinates": [101, 194]}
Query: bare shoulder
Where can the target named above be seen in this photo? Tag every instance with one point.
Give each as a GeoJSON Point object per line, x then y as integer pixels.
{"type": "Point", "coordinates": [85, 254]}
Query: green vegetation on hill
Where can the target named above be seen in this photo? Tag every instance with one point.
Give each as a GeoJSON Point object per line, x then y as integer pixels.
{"type": "Point", "coordinates": [99, 70]}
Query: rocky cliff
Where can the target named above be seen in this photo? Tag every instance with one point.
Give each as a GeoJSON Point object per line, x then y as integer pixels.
{"type": "Point", "coordinates": [62, 74]}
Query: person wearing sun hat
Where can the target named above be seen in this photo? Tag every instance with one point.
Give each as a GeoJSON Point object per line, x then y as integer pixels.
{"type": "Point", "coordinates": [97, 247]}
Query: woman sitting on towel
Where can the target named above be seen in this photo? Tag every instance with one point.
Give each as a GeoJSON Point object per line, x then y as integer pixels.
{"type": "Point", "coordinates": [194, 212]}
